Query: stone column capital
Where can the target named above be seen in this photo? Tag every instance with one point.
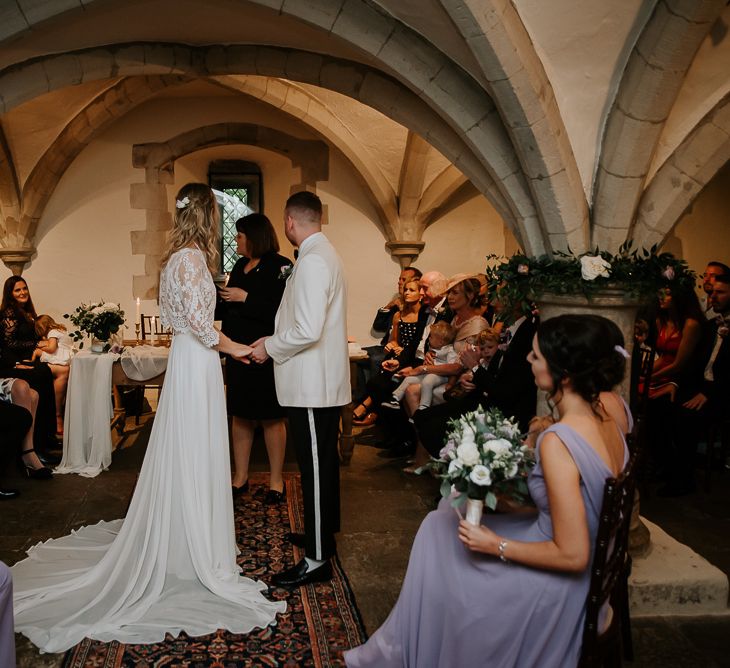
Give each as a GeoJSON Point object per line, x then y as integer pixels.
{"type": "Point", "coordinates": [405, 252]}
{"type": "Point", "coordinates": [15, 259]}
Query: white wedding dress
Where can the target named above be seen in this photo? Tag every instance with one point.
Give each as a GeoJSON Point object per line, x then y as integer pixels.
{"type": "Point", "coordinates": [170, 565]}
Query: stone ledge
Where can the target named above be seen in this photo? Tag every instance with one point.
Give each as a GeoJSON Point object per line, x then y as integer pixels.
{"type": "Point", "coordinates": [674, 580]}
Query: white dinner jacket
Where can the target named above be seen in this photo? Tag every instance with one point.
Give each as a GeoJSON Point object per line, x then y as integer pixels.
{"type": "Point", "coordinates": [309, 344]}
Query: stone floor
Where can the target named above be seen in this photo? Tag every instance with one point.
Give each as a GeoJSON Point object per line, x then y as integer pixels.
{"type": "Point", "coordinates": [382, 508]}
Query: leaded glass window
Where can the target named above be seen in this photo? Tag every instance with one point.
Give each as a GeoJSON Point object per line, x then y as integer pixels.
{"type": "Point", "coordinates": [238, 189]}
{"type": "Point", "coordinates": [229, 216]}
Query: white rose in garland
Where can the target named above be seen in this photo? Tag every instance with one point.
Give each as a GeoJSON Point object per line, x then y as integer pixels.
{"type": "Point", "coordinates": [593, 266]}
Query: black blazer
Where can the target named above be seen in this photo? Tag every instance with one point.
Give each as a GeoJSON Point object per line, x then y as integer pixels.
{"type": "Point", "coordinates": [511, 387]}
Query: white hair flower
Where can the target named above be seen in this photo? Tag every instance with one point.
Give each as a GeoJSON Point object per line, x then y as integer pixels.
{"type": "Point", "coordinates": [182, 203]}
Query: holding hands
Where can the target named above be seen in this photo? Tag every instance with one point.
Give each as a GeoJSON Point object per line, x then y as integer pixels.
{"type": "Point", "coordinates": [258, 350]}
{"type": "Point", "coordinates": [241, 352]}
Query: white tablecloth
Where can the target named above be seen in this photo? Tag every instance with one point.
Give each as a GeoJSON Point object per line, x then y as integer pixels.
{"type": "Point", "coordinates": [87, 439]}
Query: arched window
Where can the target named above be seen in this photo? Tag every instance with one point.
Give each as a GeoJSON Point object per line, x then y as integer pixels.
{"type": "Point", "coordinates": [239, 190]}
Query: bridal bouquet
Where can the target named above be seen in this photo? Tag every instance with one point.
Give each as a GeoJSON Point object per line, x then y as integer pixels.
{"type": "Point", "coordinates": [484, 456]}
{"type": "Point", "coordinates": [99, 320]}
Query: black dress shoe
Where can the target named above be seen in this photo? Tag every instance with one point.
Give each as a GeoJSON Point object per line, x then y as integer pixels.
{"type": "Point", "coordinates": [7, 494]}
{"type": "Point", "coordinates": [296, 539]}
{"type": "Point", "coordinates": [300, 575]}
{"type": "Point", "coordinates": [273, 497]}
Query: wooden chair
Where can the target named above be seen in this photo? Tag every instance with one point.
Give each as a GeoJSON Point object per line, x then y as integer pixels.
{"type": "Point", "coordinates": [610, 570]}
{"type": "Point", "coordinates": [151, 328]}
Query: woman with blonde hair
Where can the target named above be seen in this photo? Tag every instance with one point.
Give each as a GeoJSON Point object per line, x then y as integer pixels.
{"type": "Point", "coordinates": [170, 565]}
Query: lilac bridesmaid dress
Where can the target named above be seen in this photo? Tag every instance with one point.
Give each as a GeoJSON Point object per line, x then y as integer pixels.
{"type": "Point", "coordinates": [461, 608]}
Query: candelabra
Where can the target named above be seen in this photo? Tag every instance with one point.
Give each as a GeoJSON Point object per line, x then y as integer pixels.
{"type": "Point", "coordinates": [136, 331]}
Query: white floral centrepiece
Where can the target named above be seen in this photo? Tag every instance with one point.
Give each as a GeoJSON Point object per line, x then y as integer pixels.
{"type": "Point", "coordinates": [99, 320]}
{"type": "Point", "coordinates": [484, 456]}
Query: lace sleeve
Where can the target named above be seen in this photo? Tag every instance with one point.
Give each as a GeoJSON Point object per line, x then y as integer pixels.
{"type": "Point", "coordinates": [197, 297]}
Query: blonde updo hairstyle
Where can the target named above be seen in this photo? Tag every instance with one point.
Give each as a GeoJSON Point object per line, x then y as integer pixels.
{"type": "Point", "coordinates": [196, 222]}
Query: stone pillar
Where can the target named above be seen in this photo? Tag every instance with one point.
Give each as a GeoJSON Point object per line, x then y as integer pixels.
{"type": "Point", "coordinates": [614, 304]}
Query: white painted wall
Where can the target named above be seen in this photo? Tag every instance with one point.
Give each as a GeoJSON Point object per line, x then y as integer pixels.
{"type": "Point", "coordinates": [84, 247]}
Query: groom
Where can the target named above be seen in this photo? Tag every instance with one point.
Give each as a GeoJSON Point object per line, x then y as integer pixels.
{"type": "Point", "coordinates": [312, 373]}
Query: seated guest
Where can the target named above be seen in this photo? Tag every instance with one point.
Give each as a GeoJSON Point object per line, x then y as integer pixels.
{"type": "Point", "coordinates": [382, 327]}
{"type": "Point", "coordinates": [712, 270]}
{"type": "Point", "coordinates": [440, 341]}
{"type": "Point", "coordinates": [400, 351]}
{"type": "Point", "coordinates": [55, 349]}
{"type": "Point", "coordinates": [7, 627]}
{"type": "Point", "coordinates": [512, 591]}
{"type": "Point", "coordinates": [505, 384]}
{"type": "Point", "coordinates": [706, 399]}
{"type": "Point", "coordinates": [432, 288]}
{"type": "Point", "coordinates": [17, 343]}
{"type": "Point", "coordinates": [466, 304]}
{"type": "Point", "coordinates": [679, 327]}
{"type": "Point", "coordinates": [18, 404]}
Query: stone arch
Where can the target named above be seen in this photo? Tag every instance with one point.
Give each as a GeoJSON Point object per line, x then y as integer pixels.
{"type": "Point", "coordinates": [682, 177]}
{"type": "Point", "coordinates": [299, 104]}
{"type": "Point", "coordinates": [520, 88]}
{"type": "Point", "coordinates": [158, 161]}
{"type": "Point", "coordinates": [452, 112]}
{"type": "Point", "coordinates": [648, 89]}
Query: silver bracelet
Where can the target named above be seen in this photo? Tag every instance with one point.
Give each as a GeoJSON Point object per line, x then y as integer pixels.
{"type": "Point", "coordinates": [502, 545]}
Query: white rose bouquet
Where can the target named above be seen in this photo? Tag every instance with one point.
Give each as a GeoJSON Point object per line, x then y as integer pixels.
{"type": "Point", "coordinates": [99, 320]}
{"type": "Point", "coordinates": [484, 456]}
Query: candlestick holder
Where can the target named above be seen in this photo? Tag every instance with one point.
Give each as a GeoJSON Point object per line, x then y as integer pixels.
{"type": "Point", "coordinates": [136, 331]}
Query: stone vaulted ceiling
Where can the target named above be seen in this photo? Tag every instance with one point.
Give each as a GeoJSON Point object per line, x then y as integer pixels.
{"type": "Point", "coordinates": [583, 125]}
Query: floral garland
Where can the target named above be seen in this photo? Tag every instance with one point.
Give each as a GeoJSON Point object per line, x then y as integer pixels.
{"type": "Point", "coordinates": [519, 280]}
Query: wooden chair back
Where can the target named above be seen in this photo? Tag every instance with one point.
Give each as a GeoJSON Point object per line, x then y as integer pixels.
{"type": "Point", "coordinates": [610, 569]}
{"type": "Point", "coordinates": [151, 328]}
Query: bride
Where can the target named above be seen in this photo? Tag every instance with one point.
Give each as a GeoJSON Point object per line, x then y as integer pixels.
{"type": "Point", "coordinates": [170, 565]}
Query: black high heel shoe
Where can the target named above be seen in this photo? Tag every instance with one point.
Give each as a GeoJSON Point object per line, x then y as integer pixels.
{"type": "Point", "coordinates": [237, 491]}
{"type": "Point", "coordinates": [43, 473]}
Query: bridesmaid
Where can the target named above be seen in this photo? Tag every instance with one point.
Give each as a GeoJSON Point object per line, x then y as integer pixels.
{"type": "Point", "coordinates": [512, 591]}
{"type": "Point", "coordinates": [248, 306]}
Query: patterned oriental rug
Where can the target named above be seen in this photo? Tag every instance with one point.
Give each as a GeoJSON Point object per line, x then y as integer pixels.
{"type": "Point", "coordinates": [321, 621]}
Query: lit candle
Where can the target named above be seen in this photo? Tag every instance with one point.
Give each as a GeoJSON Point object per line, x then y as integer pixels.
{"type": "Point", "coordinates": [137, 321]}
{"type": "Point", "coordinates": [226, 279]}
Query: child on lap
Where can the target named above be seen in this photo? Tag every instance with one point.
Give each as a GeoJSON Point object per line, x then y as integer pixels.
{"type": "Point", "coordinates": [440, 341]}
{"type": "Point", "coordinates": [56, 350]}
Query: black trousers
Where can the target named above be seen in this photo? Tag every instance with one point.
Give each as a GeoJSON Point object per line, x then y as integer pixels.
{"type": "Point", "coordinates": [432, 423]}
{"type": "Point", "coordinates": [15, 421]}
{"type": "Point", "coordinates": [315, 432]}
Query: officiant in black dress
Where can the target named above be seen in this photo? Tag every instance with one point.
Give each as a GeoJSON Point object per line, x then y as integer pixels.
{"type": "Point", "coordinates": [247, 307]}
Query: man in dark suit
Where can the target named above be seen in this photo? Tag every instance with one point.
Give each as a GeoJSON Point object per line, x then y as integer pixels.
{"type": "Point", "coordinates": [705, 400]}
{"type": "Point", "coordinates": [507, 384]}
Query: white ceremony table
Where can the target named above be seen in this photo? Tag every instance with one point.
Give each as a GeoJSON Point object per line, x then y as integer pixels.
{"type": "Point", "coordinates": [87, 439]}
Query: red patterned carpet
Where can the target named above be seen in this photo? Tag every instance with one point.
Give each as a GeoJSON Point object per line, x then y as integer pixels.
{"type": "Point", "coordinates": [321, 620]}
